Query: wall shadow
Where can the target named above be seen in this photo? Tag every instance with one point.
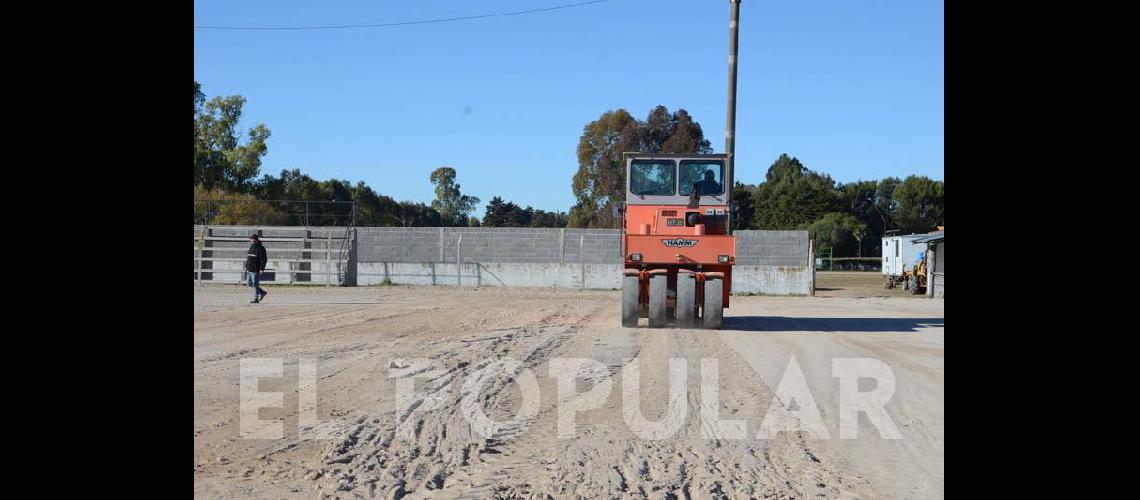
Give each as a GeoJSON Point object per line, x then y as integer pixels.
{"type": "Point", "coordinates": [827, 325]}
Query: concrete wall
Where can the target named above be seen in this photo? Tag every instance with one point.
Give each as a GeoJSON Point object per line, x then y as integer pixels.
{"type": "Point", "coordinates": [940, 257]}
{"type": "Point", "coordinates": [772, 280]}
{"type": "Point", "coordinates": [440, 244]}
{"type": "Point", "coordinates": [769, 262]}
{"type": "Point", "coordinates": [773, 263]}
{"type": "Point", "coordinates": [772, 248]}
{"type": "Point", "coordinates": [527, 274]}
{"type": "Point", "coordinates": [937, 279]}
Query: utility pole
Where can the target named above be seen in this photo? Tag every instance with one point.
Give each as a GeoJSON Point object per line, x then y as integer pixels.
{"type": "Point", "coordinates": [730, 122]}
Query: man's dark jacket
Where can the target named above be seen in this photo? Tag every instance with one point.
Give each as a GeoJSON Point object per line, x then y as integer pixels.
{"type": "Point", "coordinates": [255, 258]}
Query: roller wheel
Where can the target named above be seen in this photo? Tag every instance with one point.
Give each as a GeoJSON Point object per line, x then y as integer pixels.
{"type": "Point", "coordinates": [629, 305]}
{"type": "Point", "coordinates": [714, 303]}
{"type": "Point", "coordinates": [658, 286]}
{"type": "Point", "coordinates": [686, 300]}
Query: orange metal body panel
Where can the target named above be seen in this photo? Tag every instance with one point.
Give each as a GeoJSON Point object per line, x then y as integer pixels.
{"type": "Point", "coordinates": [647, 230]}
{"type": "Point", "coordinates": [653, 219]}
{"type": "Point", "coordinates": [654, 251]}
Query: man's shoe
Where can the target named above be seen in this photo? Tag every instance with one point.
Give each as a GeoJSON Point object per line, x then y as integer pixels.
{"type": "Point", "coordinates": [254, 301]}
{"type": "Point", "coordinates": [262, 295]}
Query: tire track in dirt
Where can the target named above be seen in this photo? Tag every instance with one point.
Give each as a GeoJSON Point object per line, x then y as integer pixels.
{"type": "Point", "coordinates": [407, 452]}
{"type": "Point", "coordinates": [683, 466]}
{"type": "Point", "coordinates": [424, 447]}
{"type": "Point", "coordinates": [444, 455]}
{"type": "Point", "coordinates": [341, 382]}
{"type": "Point", "coordinates": [303, 344]}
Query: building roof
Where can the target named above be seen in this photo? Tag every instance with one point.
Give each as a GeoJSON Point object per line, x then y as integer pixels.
{"type": "Point", "coordinates": [906, 237]}
{"type": "Point", "coordinates": [932, 237]}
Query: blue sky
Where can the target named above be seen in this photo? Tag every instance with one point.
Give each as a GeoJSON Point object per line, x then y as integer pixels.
{"type": "Point", "coordinates": [853, 88]}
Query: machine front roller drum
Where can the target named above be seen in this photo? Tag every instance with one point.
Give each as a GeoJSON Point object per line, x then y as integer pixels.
{"type": "Point", "coordinates": [686, 309]}
{"type": "Point", "coordinates": [629, 303]}
{"type": "Point", "coordinates": [714, 303]}
{"type": "Point", "coordinates": [658, 289]}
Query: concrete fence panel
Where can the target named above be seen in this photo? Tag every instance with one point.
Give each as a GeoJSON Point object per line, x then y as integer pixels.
{"type": "Point", "coordinates": [768, 262]}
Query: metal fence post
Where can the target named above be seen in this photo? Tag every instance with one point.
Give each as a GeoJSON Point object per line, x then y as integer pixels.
{"type": "Point", "coordinates": [295, 267]}
{"type": "Point", "coordinates": [811, 262]}
{"type": "Point", "coordinates": [328, 259]}
{"type": "Point", "coordinates": [201, 250]}
{"type": "Point", "coordinates": [441, 244]}
{"type": "Point", "coordinates": [582, 259]}
{"type": "Point", "coordinates": [459, 260]}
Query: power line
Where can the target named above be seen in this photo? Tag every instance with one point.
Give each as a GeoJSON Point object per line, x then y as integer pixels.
{"type": "Point", "coordinates": [404, 23]}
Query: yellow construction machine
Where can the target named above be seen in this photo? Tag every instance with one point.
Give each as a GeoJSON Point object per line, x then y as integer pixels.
{"type": "Point", "coordinates": [915, 279]}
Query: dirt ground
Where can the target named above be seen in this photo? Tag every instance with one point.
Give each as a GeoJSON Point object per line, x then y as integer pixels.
{"type": "Point", "coordinates": [424, 446]}
{"type": "Point", "coordinates": [856, 284]}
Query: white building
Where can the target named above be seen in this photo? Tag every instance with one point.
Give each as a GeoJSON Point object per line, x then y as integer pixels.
{"type": "Point", "coordinates": [899, 254]}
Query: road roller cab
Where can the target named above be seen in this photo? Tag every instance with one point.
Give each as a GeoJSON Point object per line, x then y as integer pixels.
{"type": "Point", "coordinates": [677, 239]}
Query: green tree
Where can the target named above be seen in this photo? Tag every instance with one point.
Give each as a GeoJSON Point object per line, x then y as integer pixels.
{"type": "Point", "coordinates": [792, 196]}
{"type": "Point", "coordinates": [600, 179]}
{"type": "Point", "coordinates": [542, 218]}
{"type": "Point", "coordinates": [885, 199]}
{"type": "Point", "coordinates": [745, 214]}
{"type": "Point", "coordinates": [501, 213]}
{"type": "Point", "coordinates": [919, 204]}
{"type": "Point", "coordinates": [199, 98]}
{"type": "Point", "coordinates": [412, 214]}
{"type": "Point", "coordinates": [599, 182]}
{"type": "Point", "coordinates": [452, 205]}
{"type": "Point", "coordinates": [372, 209]}
{"type": "Point", "coordinates": [859, 231]}
{"type": "Point", "coordinates": [858, 199]}
{"type": "Point", "coordinates": [217, 207]}
{"type": "Point", "coordinates": [673, 133]}
{"type": "Point", "coordinates": [835, 232]}
{"type": "Point", "coordinates": [220, 159]}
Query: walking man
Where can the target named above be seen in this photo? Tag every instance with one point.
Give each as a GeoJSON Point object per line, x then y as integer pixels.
{"type": "Point", "coordinates": [254, 265]}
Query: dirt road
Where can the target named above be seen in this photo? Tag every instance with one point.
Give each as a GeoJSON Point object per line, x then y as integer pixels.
{"type": "Point", "coordinates": [363, 340]}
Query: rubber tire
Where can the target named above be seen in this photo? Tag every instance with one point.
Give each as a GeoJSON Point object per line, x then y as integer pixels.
{"type": "Point", "coordinates": [914, 285]}
{"type": "Point", "coordinates": [686, 300]}
{"type": "Point", "coordinates": [629, 305]}
{"type": "Point", "coordinates": [714, 303]}
{"type": "Point", "coordinates": [658, 288]}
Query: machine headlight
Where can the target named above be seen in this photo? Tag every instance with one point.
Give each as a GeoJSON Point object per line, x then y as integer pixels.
{"type": "Point", "coordinates": [723, 259]}
{"type": "Point", "coordinates": [636, 257]}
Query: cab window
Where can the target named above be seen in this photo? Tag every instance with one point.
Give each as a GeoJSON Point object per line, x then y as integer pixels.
{"type": "Point", "coordinates": [708, 177]}
{"type": "Point", "coordinates": [653, 177]}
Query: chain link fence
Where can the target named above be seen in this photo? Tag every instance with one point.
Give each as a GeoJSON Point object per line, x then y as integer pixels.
{"type": "Point", "coordinates": [239, 212]}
